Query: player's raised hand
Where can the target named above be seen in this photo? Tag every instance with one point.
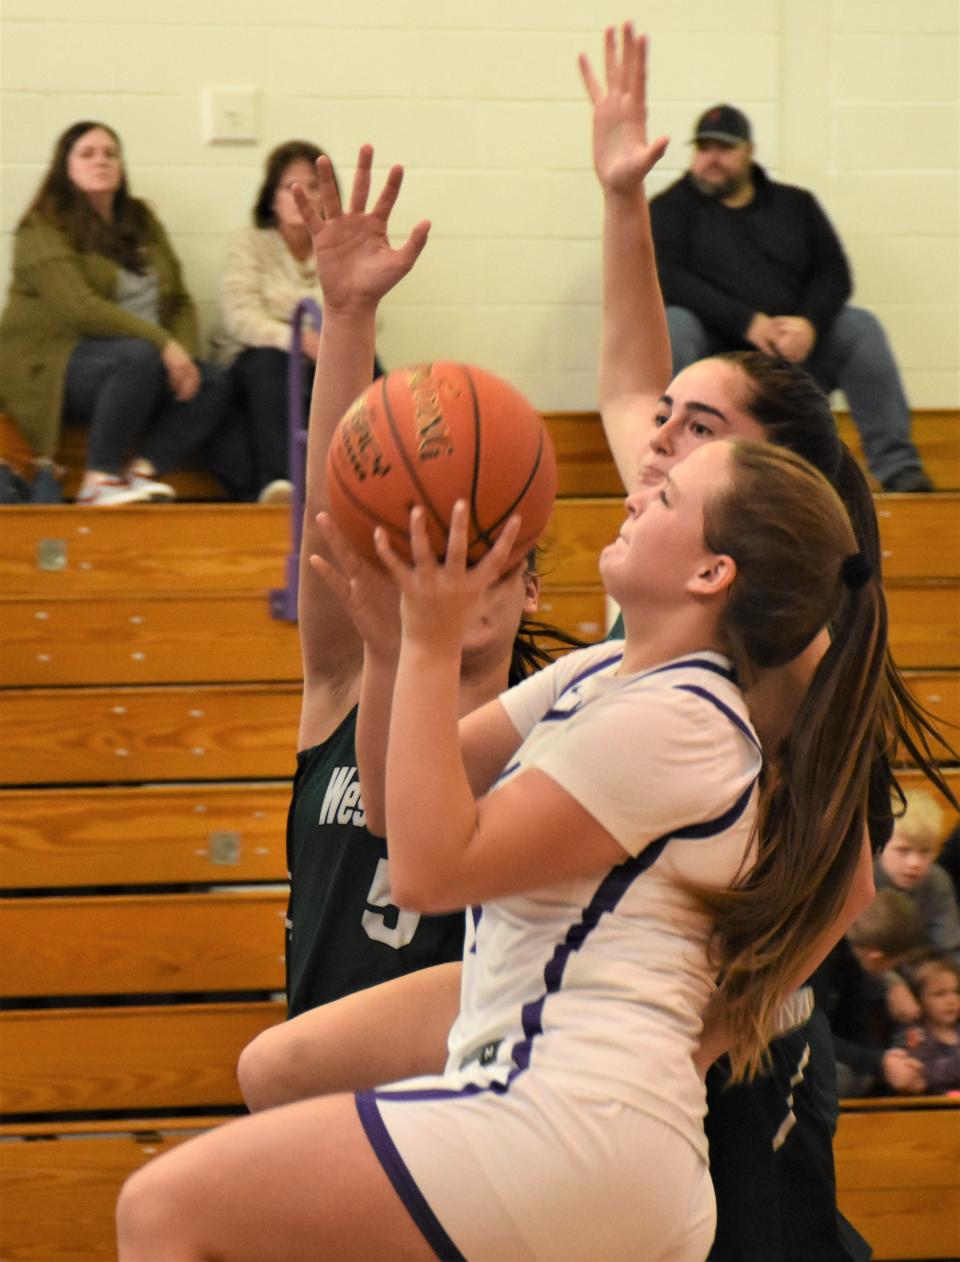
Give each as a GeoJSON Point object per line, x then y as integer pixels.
{"type": "Point", "coordinates": [356, 264]}
{"type": "Point", "coordinates": [368, 594]}
{"type": "Point", "coordinates": [622, 155]}
{"type": "Point", "coordinates": [440, 594]}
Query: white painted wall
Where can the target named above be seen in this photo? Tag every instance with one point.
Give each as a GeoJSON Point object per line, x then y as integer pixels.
{"type": "Point", "coordinates": [856, 99]}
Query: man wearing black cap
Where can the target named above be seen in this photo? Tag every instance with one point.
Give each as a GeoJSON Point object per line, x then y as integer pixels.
{"type": "Point", "coordinates": [744, 261]}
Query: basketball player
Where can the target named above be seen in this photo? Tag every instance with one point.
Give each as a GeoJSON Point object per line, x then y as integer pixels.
{"type": "Point", "coordinates": [344, 930]}
{"type": "Point", "coordinates": [771, 1140]}
{"type": "Point", "coordinates": [568, 1124]}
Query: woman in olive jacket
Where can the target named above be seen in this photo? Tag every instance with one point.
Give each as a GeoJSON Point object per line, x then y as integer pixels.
{"type": "Point", "coordinates": [99, 327]}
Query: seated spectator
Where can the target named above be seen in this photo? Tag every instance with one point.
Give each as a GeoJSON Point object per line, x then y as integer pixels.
{"type": "Point", "coordinates": [935, 1039]}
{"type": "Point", "coordinates": [907, 863]}
{"type": "Point", "coordinates": [99, 327]}
{"type": "Point", "coordinates": [270, 267]}
{"type": "Point", "coordinates": [850, 987]}
{"type": "Point", "coordinates": [747, 262]}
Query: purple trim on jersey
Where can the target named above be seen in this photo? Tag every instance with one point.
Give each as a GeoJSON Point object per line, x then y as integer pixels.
{"type": "Point", "coordinates": [476, 912]}
{"type": "Point", "coordinates": [611, 889]}
{"type": "Point", "coordinates": [724, 709]}
{"type": "Point", "coordinates": [553, 713]}
{"type": "Point", "coordinates": [403, 1182]}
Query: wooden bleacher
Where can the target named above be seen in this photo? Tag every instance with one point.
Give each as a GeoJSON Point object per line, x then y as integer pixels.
{"type": "Point", "coordinates": [151, 703]}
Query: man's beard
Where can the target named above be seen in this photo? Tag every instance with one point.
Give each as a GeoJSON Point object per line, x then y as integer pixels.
{"type": "Point", "coordinates": [722, 190]}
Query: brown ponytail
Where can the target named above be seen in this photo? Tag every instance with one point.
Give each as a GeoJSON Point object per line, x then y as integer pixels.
{"type": "Point", "coordinates": [791, 538]}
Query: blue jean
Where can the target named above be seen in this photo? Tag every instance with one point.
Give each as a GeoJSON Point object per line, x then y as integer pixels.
{"type": "Point", "coordinates": [117, 386]}
{"type": "Point", "coordinates": [852, 355]}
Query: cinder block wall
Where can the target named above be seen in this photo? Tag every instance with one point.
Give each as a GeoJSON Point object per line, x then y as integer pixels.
{"type": "Point", "coordinates": [857, 99]}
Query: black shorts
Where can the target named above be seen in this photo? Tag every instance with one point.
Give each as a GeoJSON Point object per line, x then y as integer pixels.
{"type": "Point", "coordinates": [771, 1157]}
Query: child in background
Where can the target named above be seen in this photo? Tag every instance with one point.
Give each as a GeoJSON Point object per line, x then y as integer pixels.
{"type": "Point", "coordinates": [851, 987]}
{"type": "Point", "coordinates": [907, 863]}
{"type": "Point", "coordinates": [935, 1040]}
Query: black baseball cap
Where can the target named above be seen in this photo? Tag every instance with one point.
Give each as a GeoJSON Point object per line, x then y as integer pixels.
{"type": "Point", "coordinates": [724, 123]}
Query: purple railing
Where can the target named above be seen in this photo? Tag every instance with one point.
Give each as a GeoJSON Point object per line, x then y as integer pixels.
{"type": "Point", "coordinates": [283, 600]}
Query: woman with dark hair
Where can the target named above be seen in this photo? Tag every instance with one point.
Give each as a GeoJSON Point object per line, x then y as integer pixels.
{"type": "Point", "coordinates": [770, 1139]}
{"type": "Point", "coordinates": [99, 327]}
{"type": "Point", "coordinates": [269, 268]}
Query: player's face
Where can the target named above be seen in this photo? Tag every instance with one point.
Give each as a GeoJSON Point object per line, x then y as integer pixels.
{"type": "Point", "coordinates": [702, 403]}
{"type": "Point", "coordinates": [905, 863]}
{"type": "Point", "coordinates": [514, 595]}
{"type": "Point", "coordinates": [284, 207]}
{"type": "Point", "coordinates": [941, 997]}
{"type": "Point", "coordinates": [94, 165]}
{"type": "Point", "coordinates": [720, 170]}
{"type": "Point", "coordinates": [661, 546]}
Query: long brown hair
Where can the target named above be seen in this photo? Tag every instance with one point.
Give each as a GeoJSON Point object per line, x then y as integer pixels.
{"type": "Point", "coordinates": [58, 200]}
{"type": "Point", "coordinates": [790, 537]}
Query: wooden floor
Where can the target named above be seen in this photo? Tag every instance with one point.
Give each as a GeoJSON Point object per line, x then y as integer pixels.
{"type": "Point", "coordinates": [150, 702]}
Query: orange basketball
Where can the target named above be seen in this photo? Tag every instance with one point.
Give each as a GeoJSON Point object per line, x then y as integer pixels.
{"type": "Point", "coordinates": [432, 434]}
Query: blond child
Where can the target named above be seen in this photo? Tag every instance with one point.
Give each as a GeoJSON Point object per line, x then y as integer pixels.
{"type": "Point", "coordinates": [907, 863]}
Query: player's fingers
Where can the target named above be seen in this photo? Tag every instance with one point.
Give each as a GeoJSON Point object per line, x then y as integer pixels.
{"type": "Point", "coordinates": [630, 57]}
{"type": "Point", "coordinates": [420, 549]}
{"type": "Point", "coordinates": [412, 248]}
{"type": "Point", "coordinates": [361, 180]}
{"type": "Point", "coordinates": [457, 537]}
{"type": "Point", "coordinates": [612, 66]}
{"type": "Point", "coordinates": [497, 559]}
{"type": "Point", "coordinates": [590, 82]}
{"type": "Point", "coordinates": [389, 193]}
{"type": "Point", "coordinates": [394, 566]}
{"type": "Point", "coordinates": [345, 555]}
{"type": "Point", "coordinates": [328, 196]}
{"type": "Point", "coordinates": [338, 583]}
{"type": "Point", "coordinates": [308, 208]}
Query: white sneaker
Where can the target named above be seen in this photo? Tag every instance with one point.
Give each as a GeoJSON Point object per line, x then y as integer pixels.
{"type": "Point", "coordinates": [111, 492]}
{"type": "Point", "coordinates": [153, 490]}
{"type": "Point", "coordinates": [279, 491]}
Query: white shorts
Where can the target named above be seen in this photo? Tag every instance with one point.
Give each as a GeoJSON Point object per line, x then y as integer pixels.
{"type": "Point", "coordinates": [537, 1173]}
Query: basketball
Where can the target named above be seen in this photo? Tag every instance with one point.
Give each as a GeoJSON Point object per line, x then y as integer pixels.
{"type": "Point", "coordinates": [432, 434]}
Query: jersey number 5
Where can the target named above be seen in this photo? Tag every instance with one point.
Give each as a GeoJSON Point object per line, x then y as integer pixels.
{"type": "Point", "coordinates": [383, 921]}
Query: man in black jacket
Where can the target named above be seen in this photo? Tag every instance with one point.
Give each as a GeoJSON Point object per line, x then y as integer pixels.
{"type": "Point", "coordinates": [746, 262]}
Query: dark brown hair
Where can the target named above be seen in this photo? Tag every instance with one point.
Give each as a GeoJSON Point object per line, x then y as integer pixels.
{"type": "Point", "coordinates": [795, 413]}
{"type": "Point", "coordinates": [789, 534]}
{"type": "Point", "coordinates": [278, 160]}
{"type": "Point", "coordinates": [123, 238]}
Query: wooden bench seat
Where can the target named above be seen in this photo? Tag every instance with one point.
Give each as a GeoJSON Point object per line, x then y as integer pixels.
{"type": "Point", "coordinates": [898, 1175]}
{"type": "Point", "coordinates": [143, 549]}
{"type": "Point", "coordinates": [120, 944]}
{"type": "Point", "coordinates": [176, 1056]}
{"type": "Point", "coordinates": [139, 735]}
{"type": "Point", "coordinates": [143, 835]}
{"type": "Point", "coordinates": [144, 639]}
{"type": "Point", "coordinates": [61, 1185]}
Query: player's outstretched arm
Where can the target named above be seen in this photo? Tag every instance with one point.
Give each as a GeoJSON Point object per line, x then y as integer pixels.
{"type": "Point", "coordinates": [356, 266]}
{"type": "Point", "coordinates": [635, 347]}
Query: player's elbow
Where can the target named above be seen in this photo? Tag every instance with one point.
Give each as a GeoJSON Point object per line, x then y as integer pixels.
{"type": "Point", "coordinates": [419, 890]}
